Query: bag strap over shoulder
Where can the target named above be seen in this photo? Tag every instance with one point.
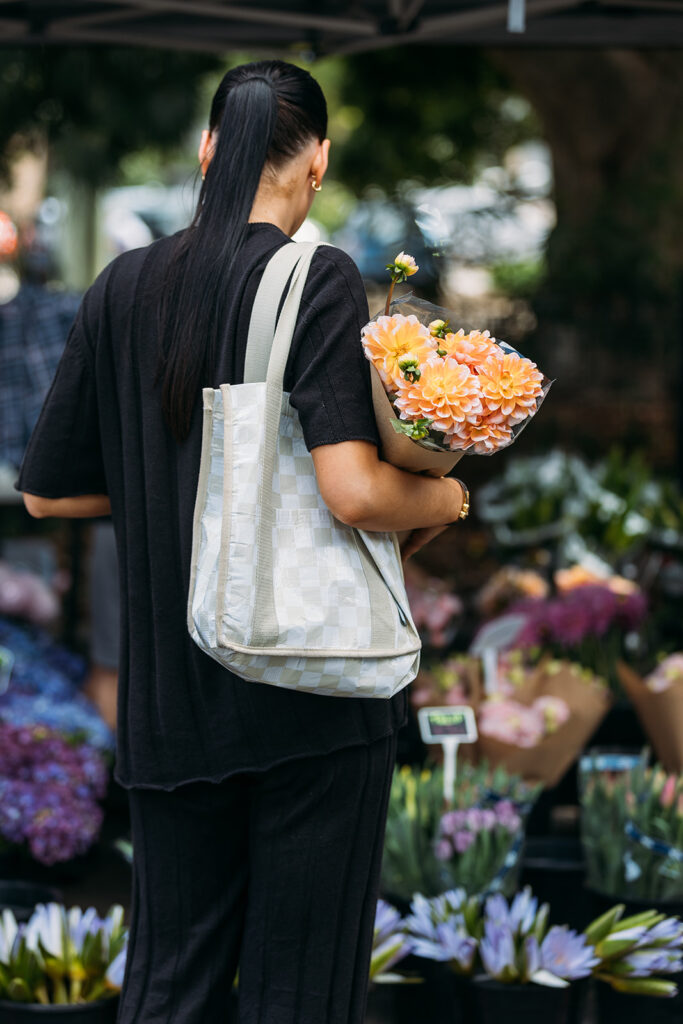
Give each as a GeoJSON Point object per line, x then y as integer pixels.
{"type": "Point", "coordinates": [266, 304]}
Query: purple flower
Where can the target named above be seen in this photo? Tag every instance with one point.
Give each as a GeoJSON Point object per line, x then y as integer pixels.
{"type": "Point", "coordinates": [567, 955]}
{"type": "Point", "coordinates": [443, 849]}
{"type": "Point", "coordinates": [643, 963]}
{"type": "Point", "coordinates": [497, 951]}
{"type": "Point", "coordinates": [451, 944]}
{"type": "Point", "coordinates": [667, 933]}
{"type": "Point", "coordinates": [631, 610]}
{"type": "Point", "coordinates": [489, 819]}
{"type": "Point", "coordinates": [519, 917]}
{"type": "Point", "coordinates": [387, 920]}
{"type": "Point", "coordinates": [523, 911]}
{"type": "Point", "coordinates": [462, 841]}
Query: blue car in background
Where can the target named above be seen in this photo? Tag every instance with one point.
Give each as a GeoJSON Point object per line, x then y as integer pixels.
{"type": "Point", "coordinates": [376, 231]}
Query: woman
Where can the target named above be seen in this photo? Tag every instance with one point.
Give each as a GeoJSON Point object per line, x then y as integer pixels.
{"type": "Point", "coordinates": [257, 813]}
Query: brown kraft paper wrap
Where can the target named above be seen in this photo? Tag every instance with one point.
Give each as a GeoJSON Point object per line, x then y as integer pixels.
{"type": "Point", "coordinates": [661, 715]}
{"type": "Point", "coordinates": [401, 451]}
{"type": "Point", "coordinates": [548, 761]}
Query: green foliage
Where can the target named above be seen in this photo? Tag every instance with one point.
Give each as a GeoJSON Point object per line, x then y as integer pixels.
{"type": "Point", "coordinates": [519, 280]}
{"type": "Point", "coordinates": [424, 114]}
{"type": "Point", "coordinates": [96, 105]}
{"type": "Point", "coordinates": [618, 863]}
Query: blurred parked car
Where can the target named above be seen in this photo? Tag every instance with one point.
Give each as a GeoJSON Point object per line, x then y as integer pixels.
{"type": "Point", "coordinates": [376, 231]}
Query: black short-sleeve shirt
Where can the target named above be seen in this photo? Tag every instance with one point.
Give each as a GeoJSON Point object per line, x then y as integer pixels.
{"type": "Point", "coordinates": [182, 716]}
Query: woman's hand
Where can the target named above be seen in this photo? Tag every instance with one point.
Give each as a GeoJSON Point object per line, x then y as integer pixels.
{"type": "Point", "coordinates": [417, 539]}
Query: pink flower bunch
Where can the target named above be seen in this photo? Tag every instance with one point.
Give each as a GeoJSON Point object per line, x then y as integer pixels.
{"type": "Point", "coordinates": [459, 830]}
{"type": "Point", "coordinates": [434, 610]}
{"type": "Point", "coordinates": [522, 725]}
{"type": "Point", "coordinates": [580, 613]}
{"type": "Point", "coordinates": [668, 673]}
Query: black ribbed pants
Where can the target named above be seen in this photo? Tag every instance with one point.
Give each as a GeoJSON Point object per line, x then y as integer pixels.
{"type": "Point", "coordinates": [274, 871]}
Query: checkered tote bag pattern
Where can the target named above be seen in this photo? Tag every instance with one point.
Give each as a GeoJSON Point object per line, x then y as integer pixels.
{"type": "Point", "coordinates": [281, 592]}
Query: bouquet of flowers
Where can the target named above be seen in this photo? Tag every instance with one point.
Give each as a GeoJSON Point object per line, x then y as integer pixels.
{"type": "Point", "coordinates": [586, 621]}
{"type": "Point", "coordinates": [658, 699]}
{"type": "Point", "coordinates": [439, 392]}
{"type": "Point", "coordinates": [49, 792]}
{"type": "Point", "coordinates": [539, 732]}
{"type": "Point", "coordinates": [632, 831]}
{"type": "Point", "coordinates": [457, 680]}
{"type": "Point", "coordinates": [62, 956]}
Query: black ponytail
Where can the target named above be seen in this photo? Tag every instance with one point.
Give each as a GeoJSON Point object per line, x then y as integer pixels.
{"type": "Point", "coordinates": [262, 114]}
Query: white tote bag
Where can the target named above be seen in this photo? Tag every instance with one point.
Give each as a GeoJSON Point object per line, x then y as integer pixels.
{"type": "Point", "coordinates": [281, 592]}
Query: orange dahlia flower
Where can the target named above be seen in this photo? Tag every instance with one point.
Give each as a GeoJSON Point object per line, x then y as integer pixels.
{"type": "Point", "coordinates": [471, 349]}
{"type": "Point", "coordinates": [486, 434]}
{"type": "Point", "coordinates": [388, 339]}
{"type": "Point", "coordinates": [510, 386]}
{"type": "Point", "coordinates": [446, 393]}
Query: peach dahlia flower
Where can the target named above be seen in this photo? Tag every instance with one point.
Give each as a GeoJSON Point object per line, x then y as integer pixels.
{"type": "Point", "coordinates": [471, 349]}
{"type": "Point", "coordinates": [486, 434]}
{"type": "Point", "coordinates": [388, 339]}
{"type": "Point", "coordinates": [446, 393]}
{"type": "Point", "coordinates": [510, 386]}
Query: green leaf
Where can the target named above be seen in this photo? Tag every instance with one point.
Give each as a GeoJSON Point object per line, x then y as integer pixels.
{"type": "Point", "coordinates": [641, 986]}
{"type": "Point", "coordinates": [602, 926]}
{"type": "Point", "coordinates": [417, 430]}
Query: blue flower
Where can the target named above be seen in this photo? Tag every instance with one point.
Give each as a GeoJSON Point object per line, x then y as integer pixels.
{"type": "Point", "coordinates": [566, 954]}
{"type": "Point", "coordinates": [643, 963]}
{"type": "Point", "coordinates": [497, 952]}
{"type": "Point", "coordinates": [116, 970]}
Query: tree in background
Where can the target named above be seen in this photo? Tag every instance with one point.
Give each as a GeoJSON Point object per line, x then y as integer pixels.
{"type": "Point", "coordinates": [614, 274]}
{"type": "Point", "coordinates": [93, 106]}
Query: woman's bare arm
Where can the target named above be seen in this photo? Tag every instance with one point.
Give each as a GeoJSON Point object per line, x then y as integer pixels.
{"type": "Point", "coordinates": [83, 506]}
{"type": "Point", "coordinates": [362, 491]}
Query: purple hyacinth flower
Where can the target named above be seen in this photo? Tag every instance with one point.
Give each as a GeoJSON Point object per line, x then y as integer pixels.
{"type": "Point", "coordinates": [566, 954]}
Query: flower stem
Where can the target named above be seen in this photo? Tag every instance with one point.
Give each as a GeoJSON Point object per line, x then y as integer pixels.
{"type": "Point", "coordinates": [391, 292]}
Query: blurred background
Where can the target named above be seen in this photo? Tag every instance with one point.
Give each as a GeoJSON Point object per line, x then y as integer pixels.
{"type": "Point", "coordinates": [535, 177]}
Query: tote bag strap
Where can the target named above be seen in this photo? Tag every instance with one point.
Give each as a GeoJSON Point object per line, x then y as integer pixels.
{"type": "Point", "coordinates": [264, 311]}
{"type": "Point", "coordinates": [272, 350]}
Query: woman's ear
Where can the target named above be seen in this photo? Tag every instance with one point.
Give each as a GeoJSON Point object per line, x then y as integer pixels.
{"type": "Point", "coordinates": [205, 150]}
{"type": "Point", "coordinates": [320, 160]}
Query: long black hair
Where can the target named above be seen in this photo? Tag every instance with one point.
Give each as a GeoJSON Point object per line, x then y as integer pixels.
{"type": "Point", "coordinates": [262, 114]}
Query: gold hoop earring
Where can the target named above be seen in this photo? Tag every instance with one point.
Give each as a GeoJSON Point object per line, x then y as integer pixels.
{"type": "Point", "coordinates": [315, 186]}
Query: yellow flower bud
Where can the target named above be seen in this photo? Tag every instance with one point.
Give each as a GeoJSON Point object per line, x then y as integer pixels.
{"type": "Point", "coordinates": [406, 263]}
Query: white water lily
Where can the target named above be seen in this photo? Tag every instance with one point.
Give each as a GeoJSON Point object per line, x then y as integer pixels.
{"type": "Point", "coordinates": [48, 928]}
{"type": "Point", "coordinates": [8, 933]}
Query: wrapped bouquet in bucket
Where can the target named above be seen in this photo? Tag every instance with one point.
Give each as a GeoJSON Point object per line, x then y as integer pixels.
{"type": "Point", "coordinates": [439, 393]}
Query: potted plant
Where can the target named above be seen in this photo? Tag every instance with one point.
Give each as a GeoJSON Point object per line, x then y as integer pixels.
{"type": "Point", "coordinates": [473, 841]}
{"type": "Point", "coordinates": [62, 965]}
{"type": "Point", "coordinates": [50, 788]}
{"type": "Point", "coordinates": [520, 968]}
{"type": "Point", "coordinates": [632, 834]}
